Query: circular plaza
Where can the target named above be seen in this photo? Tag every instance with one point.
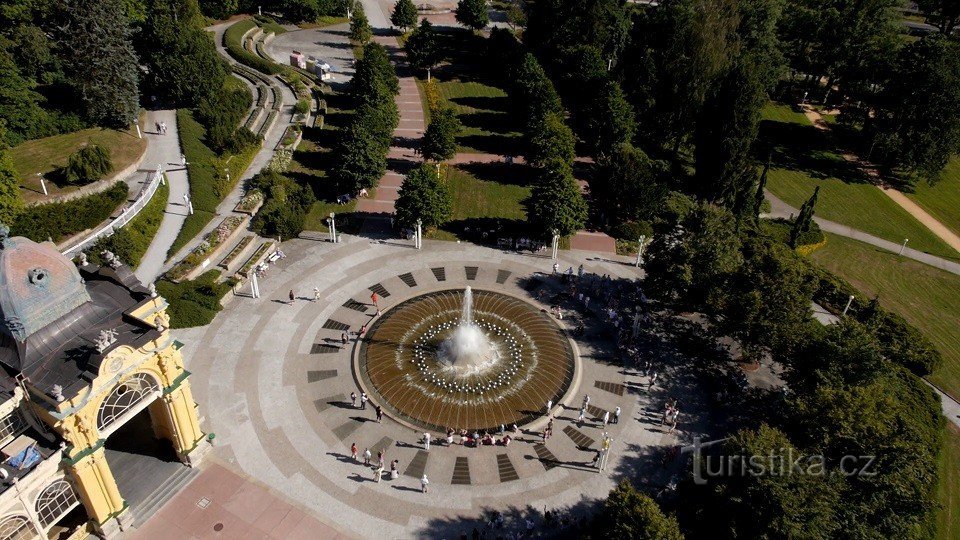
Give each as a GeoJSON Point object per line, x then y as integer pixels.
{"type": "Point", "coordinates": [277, 379]}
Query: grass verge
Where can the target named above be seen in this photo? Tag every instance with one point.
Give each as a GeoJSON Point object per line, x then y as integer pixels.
{"type": "Point", "coordinates": [942, 200]}
{"type": "Point", "coordinates": [948, 492]}
{"type": "Point", "coordinates": [144, 227]}
{"type": "Point", "coordinates": [927, 297]}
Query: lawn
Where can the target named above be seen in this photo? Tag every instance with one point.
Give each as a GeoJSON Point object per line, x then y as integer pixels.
{"type": "Point", "coordinates": [804, 157]}
{"type": "Point", "coordinates": [481, 204]}
{"type": "Point", "coordinates": [47, 154]}
{"type": "Point", "coordinates": [948, 492]}
{"type": "Point", "coordinates": [942, 200]}
{"type": "Point", "coordinates": [927, 297]}
{"type": "Point", "coordinates": [483, 109]}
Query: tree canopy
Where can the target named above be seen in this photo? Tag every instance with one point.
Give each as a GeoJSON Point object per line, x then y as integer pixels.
{"type": "Point", "coordinates": [472, 14]}
{"type": "Point", "coordinates": [424, 196]}
{"type": "Point", "coordinates": [439, 140]}
{"type": "Point", "coordinates": [404, 14]}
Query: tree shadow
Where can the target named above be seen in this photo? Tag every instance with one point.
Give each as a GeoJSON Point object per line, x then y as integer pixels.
{"type": "Point", "coordinates": [491, 144]}
{"type": "Point", "coordinates": [514, 174]}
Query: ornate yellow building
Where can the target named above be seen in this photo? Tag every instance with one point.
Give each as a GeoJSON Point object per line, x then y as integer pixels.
{"type": "Point", "coordinates": [83, 350]}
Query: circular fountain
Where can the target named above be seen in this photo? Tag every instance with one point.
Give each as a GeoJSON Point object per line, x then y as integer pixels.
{"type": "Point", "coordinates": [465, 359]}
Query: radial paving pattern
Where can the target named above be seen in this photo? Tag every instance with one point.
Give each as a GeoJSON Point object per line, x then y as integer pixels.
{"type": "Point", "coordinates": [398, 362]}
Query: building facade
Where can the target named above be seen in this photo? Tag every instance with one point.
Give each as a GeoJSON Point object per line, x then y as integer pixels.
{"type": "Point", "coordinates": [84, 349]}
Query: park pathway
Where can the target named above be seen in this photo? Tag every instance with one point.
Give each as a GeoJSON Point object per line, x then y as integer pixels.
{"type": "Point", "coordinates": [780, 209]}
{"type": "Point", "coordinates": [921, 215]}
{"type": "Point", "coordinates": [163, 152]}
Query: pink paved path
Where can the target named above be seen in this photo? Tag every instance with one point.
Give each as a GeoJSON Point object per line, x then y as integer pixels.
{"type": "Point", "coordinates": [238, 508]}
{"type": "Point", "coordinates": [405, 138]}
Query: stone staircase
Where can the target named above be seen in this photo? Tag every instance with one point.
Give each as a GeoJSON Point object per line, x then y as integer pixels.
{"type": "Point", "coordinates": [170, 487]}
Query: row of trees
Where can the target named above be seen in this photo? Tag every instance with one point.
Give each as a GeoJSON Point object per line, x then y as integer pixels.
{"type": "Point", "coordinates": [361, 150]}
{"type": "Point", "coordinates": [850, 391]}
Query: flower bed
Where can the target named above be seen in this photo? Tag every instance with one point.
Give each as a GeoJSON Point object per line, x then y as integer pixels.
{"type": "Point", "coordinates": [255, 259]}
{"type": "Point", "coordinates": [199, 259]}
{"type": "Point", "coordinates": [236, 253]}
{"type": "Point", "coordinates": [250, 203]}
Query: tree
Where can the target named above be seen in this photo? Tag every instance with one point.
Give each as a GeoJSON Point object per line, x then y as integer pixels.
{"type": "Point", "coordinates": [472, 13]}
{"type": "Point", "coordinates": [404, 14]}
{"type": "Point", "coordinates": [550, 140]}
{"type": "Point", "coordinates": [88, 164]}
{"type": "Point", "coordinates": [424, 196]}
{"type": "Point", "coordinates": [629, 186]}
{"type": "Point", "coordinates": [556, 24]}
{"type": "Point", "coordinates": [423, 50]}
{"type": "Point", "coordinates": [802, 222]}
{"type": "Point", "coordinates": [101, 59]}
{"type": "Point", "coordinates": [360, 31]}
{"type": "Point", "coordinates": [375, 80]}
{"type": "Point", "coordinates": [20, 110]}
{"type": "Point", "coordinates": [945, 14]}
{"type": "Point", "coordinates": [760, 194]}
{"type": "Point", "coordinates": [11, 201]}
{"type": "Point", "coordinates": [362, 150]}
{"type": "Point", "coordinates": [535, 95]}
{"type": "Point", "coordinates": [174, 30]}
{"type": "Point", "coordinates": [628, 513]}
{"type": "Point", "coordinates": [917, 123]}
{"type": "Point", "coordinates": [439, 140]}
{"type": "Point", "coordinates": [696, 258]}
{"type": "Point", "coordinates": [302, 10]}
{"type": "Point", "coordinates": [555, 202]}
{"type": "Point", "coordinates": [220, 9]}
{"type": "Point", "coordinates": [610, 120]}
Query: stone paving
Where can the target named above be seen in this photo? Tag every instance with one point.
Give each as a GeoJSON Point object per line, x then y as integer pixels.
{"type": "Point", "coordinates": [274, 383]}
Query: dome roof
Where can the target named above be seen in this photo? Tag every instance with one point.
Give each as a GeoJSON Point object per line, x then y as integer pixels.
{"type": "Point", "coordinates": [38, 285]}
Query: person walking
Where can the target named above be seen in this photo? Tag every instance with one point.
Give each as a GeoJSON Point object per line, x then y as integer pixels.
{"type": "Point", "coordinates": [378, 474]}
{"type": "Point", "coordinates": [292, 296]}
{"type": "Point", "coordinates": [549, 406]}
{"type": "Point", "coordinates": [353, 399]}
{"type": "Point", "coordinates": [653, 380]}
{"type": "Point", "coordinates": [673, 420]}
{"type": "Point", "coordinates": [379, 414]}
{"type": "Point", "coordinates": [424, 482]}
{"type": "Point", "coordinates": [316, 293]}
{"type": "Point", "coordinates": [366, 457]}
{"type": "Point", "coordinates": [580, 272]}
{"type": "Point", "coordinates": [394, 469]}
{"type": "Point", "coordinates": [556, 268]}
{"type": "Point", "coordinates": [344, 338]}
{"type": "Point", "coordinates": [363, 401]}
{"type": "Point", "coordinates": [380, 457]}
{"type": "Point", "coordinates": [580, 418]}
{"type": "Point", "coordinates": [606, 418]}
{"type": "Point", "coordinates": [426, 441]}
{"type": "Point", "coordinates": [353, 451]}
{"type": "Point", "coordinates": [586, 400]}
{"type": "Point", "coordinates": [616, 415]}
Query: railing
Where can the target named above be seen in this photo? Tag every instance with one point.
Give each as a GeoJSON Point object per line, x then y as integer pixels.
{"type": "Point", "coordinates": [146, 193]}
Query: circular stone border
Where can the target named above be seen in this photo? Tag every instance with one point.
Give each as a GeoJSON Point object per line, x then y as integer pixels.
{"type": "Point", "coordinates": [529, 421]}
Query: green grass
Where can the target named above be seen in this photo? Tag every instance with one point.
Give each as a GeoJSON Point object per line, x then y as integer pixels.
{"type": "Point", "coordinates": [804, 157]}
{"type": "Point", "coordinates": [324, 21]}
{"type": "Point", "coordinates": [927, 297]}
{"type": "Point", "coordinates": [47, 154]}
{"type": "Point", "coordinates": [942, 200]}
{"type": "Point", "coordinates": [60, 220]}
{"type": "Point", "coordinates": [233, 42]}
{"type": "Point", "coordinates": [144, 227]}
{"type": "Point", "coordinates": [948, 492]}
{"type": "Point", "coordinates": [483, 109]}
{"type": "Point", "coordinates": [481, 204]}
{"type": "Point", "coordinates": [208, 184]}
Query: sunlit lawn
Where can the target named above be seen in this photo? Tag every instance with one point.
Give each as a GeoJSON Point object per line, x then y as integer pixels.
{"type": "Point", "coordinates": [479, 202]}
{"type": "Point", "coordinates": [948, 492]}
{"type": "Point", "coordinates": [942, 200]}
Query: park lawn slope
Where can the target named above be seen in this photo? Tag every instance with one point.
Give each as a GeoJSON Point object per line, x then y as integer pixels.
{"type": "Point", "coordinates": [479, 204]}
{"type": "Point", "coordinates": [948, 491]}
{"type": "Point", "coordinates": [927, 297]}
{"type": "Point", "coordinates": [483, 111]}
{"type": "Point", "coordinates": [49, 153]}
{"type": "Point", "coordinates": [942, 200]}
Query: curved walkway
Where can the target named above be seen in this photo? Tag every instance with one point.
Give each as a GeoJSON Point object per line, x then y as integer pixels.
{"type": "Point", "coordinates": [164, 152]}
{"type": "Point", "coordinates": [780, 209]}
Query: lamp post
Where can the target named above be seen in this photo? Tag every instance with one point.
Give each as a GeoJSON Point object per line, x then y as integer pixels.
{"type": "Point", "coordinates": [255, 285]}
{"type": "Point", "coordinates": [188, 203]}
{"type": "Point", "coordinates": [903, 246]}
{"type": "Point", "coordinates": [136, 122]}
{"type": "Point", "coordinates": [849, 303]}
{"type": "Point", "coordinates": [333, 228]}
{"type": "Point", "coordinates": [555, 245]}
{"type": "Point", "coordinates": [643, 237]}
{"type": "Point", "coordinates": [159, 173]}
{"type": "Point", "coordinates": [43, 185]}
{"type": "Point", "coordinates": [418, 239]}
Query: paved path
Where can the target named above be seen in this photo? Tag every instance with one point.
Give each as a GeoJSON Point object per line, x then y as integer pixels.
{"type": "Point", "coordinates": [780, 209]}
{"type": "Point", "coordinates": [921, 215]}
{"type": "Point", "coordinates": [271, 139]}
{"type": "Point", "coordinates": [275, 391]}
{"type": "Point", "coordinates": [164, 151]}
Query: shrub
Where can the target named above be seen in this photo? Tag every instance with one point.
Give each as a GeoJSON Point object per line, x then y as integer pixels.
{"type": "Point", "coordinates": [86, 165]}
{"type": "Point", "coordinates": [193, 303]}
{"type": "Point", "coordinates": [302, 106]}
{"type": "Point", "coordinates": [233, 42]}
{"type": "Point", "coordinates": [780, 229]}
{"type": "Point", "coordinates": [287, 203]}
{"type": "Point", "coordinates": [133, 240]}
{"type": "Point", "coordinates": [60, 220]}
{"type": "Point", "coordinates": [632, 230]}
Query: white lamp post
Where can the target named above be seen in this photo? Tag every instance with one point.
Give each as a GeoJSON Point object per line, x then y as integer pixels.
{"type": "Point", "coordinates": [903, 246]}
{"type": "Point", "coordinates": [418, 239]}
{"type": "Point", "coordinates": [136, 122]}
{"type": "Point", "coordinates": [43, 185]}
{"type": "Point", "coordinates": [188, 203]}
{"type": "Point", "coordinates": [555, 245]}
{"type": "Point", "coordinates": [849, 303]}
{"type": "Point", "coordinates": [333, 228]}
{"type": "Point", "coordinates": [643, 237]}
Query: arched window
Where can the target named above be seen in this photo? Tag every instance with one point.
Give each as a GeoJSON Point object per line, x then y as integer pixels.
{"type": "Point", "coordinates": [17, 528]}
{"type": "Point", "coordinates": [125, 396]}
{"type": "Point", "coordinates": [54, 501]}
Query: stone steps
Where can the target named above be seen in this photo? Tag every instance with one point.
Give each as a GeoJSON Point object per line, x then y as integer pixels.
{"type": "Point", "coordinates": [170, 487]}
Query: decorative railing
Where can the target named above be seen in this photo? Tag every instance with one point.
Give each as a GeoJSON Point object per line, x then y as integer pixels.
{"type": "Point", "coordinates": [146, 193]}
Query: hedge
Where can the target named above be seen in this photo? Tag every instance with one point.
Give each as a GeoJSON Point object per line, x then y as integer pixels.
{"type": "Point", "coordinates": [193, 303]}
{"type": "Point", "coordinates": [780, 230]}
{"type": "Point", "coordinates": [63, 219]}
{"type": "Point", "coordinates": [133, 240]}
{"type": "Point", "coordinates": [208, 183]}
{"type": "Point", "coordinates": [233, 42]}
